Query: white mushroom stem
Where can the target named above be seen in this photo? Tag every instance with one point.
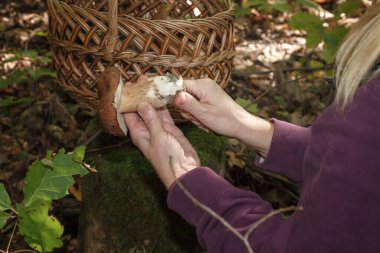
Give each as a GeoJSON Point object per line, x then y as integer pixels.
{"type": "Point", "coordinates": [157, 91]}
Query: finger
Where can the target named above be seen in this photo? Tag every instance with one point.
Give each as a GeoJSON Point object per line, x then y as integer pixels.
{"type": "Point", "coordinates": [194, 87]}
{"type": "Point", "coordinates": [200, 88]}
{"type": "Point", "coordinates": [165, 116]}
{"type": "Point", "coordinates": [188, 103]}
{"type": "Point", "coordinates": [137, 130]}
{"type": "Point", "coordinates": [151, 119]}
{"type": "Point", "coordinates": [187, 116]}
{"type": "Point", "coordinates": [131, 119]}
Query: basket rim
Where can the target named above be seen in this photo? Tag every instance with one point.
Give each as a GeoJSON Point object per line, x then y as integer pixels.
{"type": "Point", "coordinates": [216, 17]}
{"type": "Point", "coordinates": [227, 12]}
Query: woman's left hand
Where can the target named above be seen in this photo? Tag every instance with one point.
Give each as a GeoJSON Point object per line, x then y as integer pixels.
{"type": "Point", "coordinates": [162, 143]}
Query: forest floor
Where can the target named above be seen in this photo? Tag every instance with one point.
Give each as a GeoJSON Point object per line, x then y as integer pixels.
{"type": "Point", "coordinates": [274, 76]}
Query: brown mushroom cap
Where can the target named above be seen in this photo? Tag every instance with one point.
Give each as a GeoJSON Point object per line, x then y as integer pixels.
{"type": "Point", "coordinates": [107, 113]}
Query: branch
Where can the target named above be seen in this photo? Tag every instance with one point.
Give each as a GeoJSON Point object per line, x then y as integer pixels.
{"type": "Point", "coordinates": [11, 238]}
{"type": "Point", "coordinates": [225, 223]}
{"type": "Point", "coordinates": [270, 89]}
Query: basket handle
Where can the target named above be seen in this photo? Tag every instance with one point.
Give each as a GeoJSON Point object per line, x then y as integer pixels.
{"type": "Point", "coordinates": [113, 35]}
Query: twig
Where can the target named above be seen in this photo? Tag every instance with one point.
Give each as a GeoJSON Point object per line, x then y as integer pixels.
{"type": "Point", "coordinates": [209, 210]}
{"type": "Point", "coordinates": [24, 250]}
{"type": "Point", "coordinates": [109, 147]}
{"type": "Point", "coordinates": [93, 137]}
{"type": "Point", "coordinates": [245, 238]}
{"type": "Point", "coordinates": [268, 216]}
{"type": "Point", "coordinates": [247, 72]}
{"type": "Point", "coordinates": [272, 88]}
{"type": "Point", "coordinates": [11, 238]}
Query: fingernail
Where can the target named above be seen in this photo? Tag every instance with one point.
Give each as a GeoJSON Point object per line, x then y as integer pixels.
{"type": "Point", "coordinates": [143, 108]}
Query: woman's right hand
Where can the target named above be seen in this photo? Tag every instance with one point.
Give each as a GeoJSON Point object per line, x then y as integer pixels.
{"type": "Point", "coordinates": [209, 107]}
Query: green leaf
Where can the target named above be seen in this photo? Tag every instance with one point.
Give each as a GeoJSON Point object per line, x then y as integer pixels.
{"type": "Point", "coordinates": [242, 11]}
{"type": "Point", "coordinates": [43, 183]}
{"type": "Point", "coordinates": [282, 5]}
{"type": "Point", "coordinates": [65, 164]}
{"type": "Point", "coordinates": [12, 102]}
{"type": "Point", "coordinates": [261, 5]}
{"type": "Point", "coordinates": [78, 153]}
{"type": "Point", "coordinates": [280, 101]}
{"type": "Point", "coordinates": [248, 105]}
{"type": "Point", "coordinates": [12, 59]}
{"type": "Point", "coordinates": [333, 39]}
{"type": "Point", "coordinates": [16, 77]}
{"type": "Point", "coordinates": [312, 24]}
{"type": "Point", "coordinates": [349, 7]}
{"type": "Point", "coordinates": [308, 3]}
{"type": "Point", "coordinates": [251, 3]}
{"type": "Point", "coordinates": [3, 219]}
{"type": "Point", "coordinates": [41, 34]}
{"type": "Point", "coordinates": [5, 202]}
{"type": "Point", "coordinates": [41, 72]}
{"type": "Point", "coordinates": [41, 231]}
{"type": "Point", "coordinates": [313, 38]}
{"type": "Point", "coordinates": [31, 54]}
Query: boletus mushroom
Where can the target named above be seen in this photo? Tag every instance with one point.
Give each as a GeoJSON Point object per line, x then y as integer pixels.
{"type": "Point", "coordinates": [116, 98]}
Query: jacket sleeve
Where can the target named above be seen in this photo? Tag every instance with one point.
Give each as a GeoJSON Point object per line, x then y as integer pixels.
{"type": "Point", "coordinates": [287, 150]}
{"type": "Point", "coordinates": [238, 207]}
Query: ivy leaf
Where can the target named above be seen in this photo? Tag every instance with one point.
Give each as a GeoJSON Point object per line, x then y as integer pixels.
{"type": "Point", "coordinates": [5, 202]}
{"type": "Point", "coordinates": [311, 24]}
{"type": "Point", "coordinates": [41, 231]}
{"type": "Point", "coordinates": [45, 183]}
{"type": "Point", "coordinates": [333, 39]}
{"type": "Point", "coordinates": [3, 219]}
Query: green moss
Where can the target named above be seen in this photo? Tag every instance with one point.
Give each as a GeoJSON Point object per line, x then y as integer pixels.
{"type": "Point", "coordinates": [129, 202]}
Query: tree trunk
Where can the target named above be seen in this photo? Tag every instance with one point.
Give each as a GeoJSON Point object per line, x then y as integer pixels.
{"type": "Point", "coordinates": [124, 204]}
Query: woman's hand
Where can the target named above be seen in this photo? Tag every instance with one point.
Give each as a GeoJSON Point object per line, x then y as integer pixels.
{"type": "Point", "coordinates": [161, 142]}
{"type": "Point", "coordinates": [207, 105]}
{"type": "Point", "coordinates": [210, 108]}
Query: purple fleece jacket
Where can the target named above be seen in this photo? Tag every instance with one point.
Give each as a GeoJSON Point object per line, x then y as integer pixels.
{"type": "Point", "coordinates": [337, 160]}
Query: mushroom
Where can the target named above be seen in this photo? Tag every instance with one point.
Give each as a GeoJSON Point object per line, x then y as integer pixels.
{"type": "Point", "coordinates": [116, 98]}
{"type": "Point", "coordinates": [109, 119]}
{"type": "Point", "coordinates": [158, 91]}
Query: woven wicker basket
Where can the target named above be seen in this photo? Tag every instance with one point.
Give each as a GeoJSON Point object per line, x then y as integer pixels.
{"type": "Point", "coordinates": [191, 38]}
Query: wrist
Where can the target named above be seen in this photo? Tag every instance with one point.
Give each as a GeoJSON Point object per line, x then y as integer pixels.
{"type": "Point", "coordinates": [255, 132]}
{"type": "Point", "coordinates": [169, 177]}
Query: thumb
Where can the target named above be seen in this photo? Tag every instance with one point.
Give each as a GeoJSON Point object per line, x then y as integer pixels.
{"type": "Point", "coordinates": [188, 103]}
{"type": "Point", "coordinates": [151, 119]}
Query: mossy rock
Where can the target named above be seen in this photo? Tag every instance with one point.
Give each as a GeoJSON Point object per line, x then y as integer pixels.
{"type": "Point", "coordinates": [124, 204]}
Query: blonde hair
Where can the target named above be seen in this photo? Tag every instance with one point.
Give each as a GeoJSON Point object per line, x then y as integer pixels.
{"type": "Point", "coordinates": [358, 56]}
